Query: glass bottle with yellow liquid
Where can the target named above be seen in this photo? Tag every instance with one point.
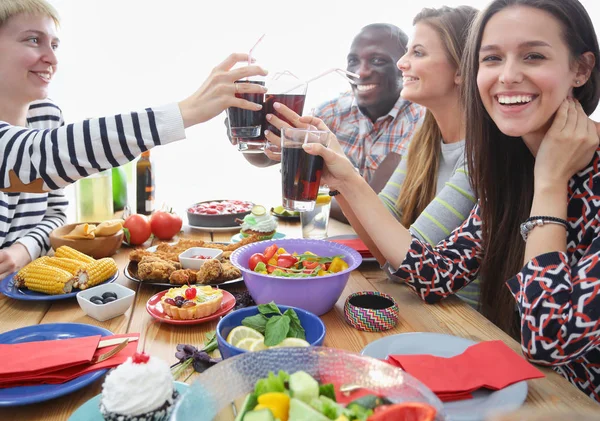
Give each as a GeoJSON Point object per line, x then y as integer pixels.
{"type": "Point", "coordinates": [144, 185]}
{"type": "Point", "coordinates": [94, 197]}
{"type": "Point", "coordinates": [315, 222]}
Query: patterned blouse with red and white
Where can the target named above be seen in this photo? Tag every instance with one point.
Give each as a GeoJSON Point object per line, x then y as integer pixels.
{"type": "Point", "coordinates": [557, 293]}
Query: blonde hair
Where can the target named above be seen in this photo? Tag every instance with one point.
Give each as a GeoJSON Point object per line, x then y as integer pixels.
{"type": "Point", "coordinates": [10, 8]}
{"type": "Point", "coordinates": [419, 187]}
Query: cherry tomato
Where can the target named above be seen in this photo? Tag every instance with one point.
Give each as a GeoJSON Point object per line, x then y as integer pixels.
{"type": "Point", "coordinates": [138, 228]}
{"type": "Point", "coordinates": [310, 265]}
{"type": "Point", "coordinates": [165, 224]}
{"type": "Point", "coordinates": [286, 260]}
{"type": "Point", "coordinates": [270, 251]}
{"type": "Point", "coordinates": [255, 259]}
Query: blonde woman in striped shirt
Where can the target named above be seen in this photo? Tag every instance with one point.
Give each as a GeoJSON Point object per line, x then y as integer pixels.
{"type": "Point", "coordinates": [40, 155]}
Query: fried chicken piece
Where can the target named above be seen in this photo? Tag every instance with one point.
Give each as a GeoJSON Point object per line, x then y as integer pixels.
{"type": "Point", "coordinates": [156, 259]}
{"type": "Point", "coordinates": [138, 254]}
{"type": "Point", "coordinates": [244, 241]}
{"type": "Point", "coordinates": [215, 246]}
{"type": "Point", "coordinates": [229, 272]}
{"type": "Point", "coordinates": [183, 276]}
{"type": "Point", "coordinates": [209, 272]}
{"type": "Point", "coordinates": [180, 247]}
{"type": "Point", "coordinates": [151, 268]}
{"type": "Point", "coordinates": [226, 255]}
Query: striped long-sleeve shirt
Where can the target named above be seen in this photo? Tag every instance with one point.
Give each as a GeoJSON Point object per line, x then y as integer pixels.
{"type": "Point", "coordinates": [557, 293]}
{"type": "Point", "coordinates": [451, 206]}
{"type": "Point", "coordinates": [63, 155]}
{"type": "Point", "coordinates": [28, 218]}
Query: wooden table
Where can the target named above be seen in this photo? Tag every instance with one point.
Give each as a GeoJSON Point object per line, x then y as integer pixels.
{"type": "Point", "coordinates": [450, 316]}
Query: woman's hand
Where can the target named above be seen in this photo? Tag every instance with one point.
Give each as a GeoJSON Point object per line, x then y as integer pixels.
{"type": "Point", "coordinates": [568, 146]}
{"type": "Point", "coordinates": [298, 122]}
{"type": "Point", "coordinates": [217, 93]}
{"type": "Point", "coordinates": [12, 259]}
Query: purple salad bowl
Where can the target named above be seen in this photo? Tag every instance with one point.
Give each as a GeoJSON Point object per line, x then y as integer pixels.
{"type": "Point", "coordinates": [315, 294]}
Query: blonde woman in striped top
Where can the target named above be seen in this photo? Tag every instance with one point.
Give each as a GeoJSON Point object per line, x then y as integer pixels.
{"type": "Point", "coordinates": [40, 155]}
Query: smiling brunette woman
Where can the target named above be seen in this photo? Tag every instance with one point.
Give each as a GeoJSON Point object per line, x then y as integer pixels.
{"type": "Point", "coordinates": [532, 77]}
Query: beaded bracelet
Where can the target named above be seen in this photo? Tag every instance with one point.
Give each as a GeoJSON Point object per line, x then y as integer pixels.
{"type": "Point", "coordinates": [538, 221]}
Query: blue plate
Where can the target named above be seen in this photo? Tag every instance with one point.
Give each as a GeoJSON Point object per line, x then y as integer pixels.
{"type": "Point", "coordinates": [8, 288]}
{"type": "Point", "coordinates": [237, 238]}
{"type": "Point", "coordinates": [24, 395]}
{"type": "Point", "coordinates": [483, 403]}
{"type": "Point", "coordinates": [90, 411]}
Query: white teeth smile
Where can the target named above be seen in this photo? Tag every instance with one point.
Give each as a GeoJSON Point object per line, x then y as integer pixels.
{"type": "Point", "coordinates": [364, 88]}
{"type": "Point", "coordinates": [44, 75]}
{"type": "Point", "coordinates": [515, 99]}
{"type": "Point", "coordinates": [410, 79]}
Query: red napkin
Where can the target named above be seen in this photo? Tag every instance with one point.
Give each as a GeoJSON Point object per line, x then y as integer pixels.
{"type": "Point", "coordinates": [356, 244]}
{"type": "Point", "coordinates": [492, 365]}
{"type": "Point", "coordinates": [56, 362]}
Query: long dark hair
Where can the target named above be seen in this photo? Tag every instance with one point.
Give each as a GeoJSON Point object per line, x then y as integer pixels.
{"type": "Point", "coordinates": [452, 25]}
{"type": "Point", "coordinates": [501, 167]}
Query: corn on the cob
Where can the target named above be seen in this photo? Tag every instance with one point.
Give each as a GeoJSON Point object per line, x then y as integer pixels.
{"type": "Point", "coordinates": [98, 271]}
{"type": "Point", "coordinates": [71, 253]}
{"type": "Point", "coordinates": [19, 279]}
{"type": "Point", "coordinates": [48, 279]}
{"type": "Point", "coordinates": [70, 265]}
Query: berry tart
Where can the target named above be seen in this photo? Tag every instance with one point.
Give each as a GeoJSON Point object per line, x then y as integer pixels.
{"type": "Point", "coordinates": [191, 302]}
{"type": "Point", "coordinates": [140, 389]}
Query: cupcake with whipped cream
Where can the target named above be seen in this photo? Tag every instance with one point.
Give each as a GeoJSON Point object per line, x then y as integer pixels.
{"type": "Point", "coordinates": [259, 222]}
{"type": "Point", "coordinates": [140, 389]}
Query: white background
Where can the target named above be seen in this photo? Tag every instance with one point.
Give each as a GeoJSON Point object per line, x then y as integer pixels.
{"type": "Point", "coordinates": [123, 55]}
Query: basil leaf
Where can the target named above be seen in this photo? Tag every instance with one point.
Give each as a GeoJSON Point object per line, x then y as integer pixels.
{"type": "Point", "coordinates": [257, 322]}
{"type": "Point", "coordinates": [270, 308]}
{"type": "Point", "coordinates": [296, 329]}
{"type": "Point", "coordinates": [277, 330]}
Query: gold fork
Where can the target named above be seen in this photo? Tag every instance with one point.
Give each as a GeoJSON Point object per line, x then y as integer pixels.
{"type": "Point", "coordinates": [110, 353]}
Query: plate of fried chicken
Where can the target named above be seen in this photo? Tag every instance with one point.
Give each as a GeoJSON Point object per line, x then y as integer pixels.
{"type": "Point", "coordinates": [159, 265]}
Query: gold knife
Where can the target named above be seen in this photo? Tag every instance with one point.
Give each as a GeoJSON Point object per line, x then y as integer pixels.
{"type": "Point", "coordinates": [116, 341]}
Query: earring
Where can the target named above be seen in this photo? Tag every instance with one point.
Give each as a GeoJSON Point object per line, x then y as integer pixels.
{"type": "Point", "coordinates": [577, 82]}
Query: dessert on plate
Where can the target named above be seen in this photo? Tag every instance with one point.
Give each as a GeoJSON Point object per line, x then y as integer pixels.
{"type": "Point", "coordinates": [260, 223]}
{"type": "Point", "coordinates": [140, 389]}
{"type": "Point", "coordinates": [191, 302]}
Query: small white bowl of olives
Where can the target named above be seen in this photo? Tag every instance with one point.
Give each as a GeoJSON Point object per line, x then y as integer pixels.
{"type": "Point", "coordinates": [105, 301]}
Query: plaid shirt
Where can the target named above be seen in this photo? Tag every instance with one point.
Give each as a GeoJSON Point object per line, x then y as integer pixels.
{"type": "Point", "coordinates": [365, 143]}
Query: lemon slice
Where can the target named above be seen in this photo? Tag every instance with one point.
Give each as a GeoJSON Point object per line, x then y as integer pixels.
{"type": "Point", "coordinates": [242, 332]}
{"type": "Point", "coordinates": [258, 345]}
{"type": "Point", "coordinates": [247, 343]}
{"type": "Point", "coordinates": [291, 342]}
{"type": "Point", "coordinates": [258, 210]}
{"type": "Point", "coordinates": [278, 210]}
{"type": "Point", "coordinates": [323, 199]}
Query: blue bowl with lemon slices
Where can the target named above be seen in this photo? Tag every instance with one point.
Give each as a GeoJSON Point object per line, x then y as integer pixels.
{"type": "Point", "coordinates": [313, 327]}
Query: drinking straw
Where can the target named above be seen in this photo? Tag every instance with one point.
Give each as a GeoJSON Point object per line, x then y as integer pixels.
{"type": "Point", "coordinates": [252, 49]}
{"type": "Point", "coordinates": [343, 73]}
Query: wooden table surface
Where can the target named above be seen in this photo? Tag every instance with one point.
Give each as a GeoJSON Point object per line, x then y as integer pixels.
{"type": "Point", "coordinates": [450, 316]}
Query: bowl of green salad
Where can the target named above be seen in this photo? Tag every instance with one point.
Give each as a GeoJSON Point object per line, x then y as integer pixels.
{"type": "Point", "coordinates": [307, 383]}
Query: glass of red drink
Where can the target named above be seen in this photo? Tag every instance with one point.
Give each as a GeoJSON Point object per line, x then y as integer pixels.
{"type": "Point", "coordinates": [244, 125]}
{"type": "Point", "coordinates": [288, 91]}
{"type": "Point", "coordinates": [300, 171]}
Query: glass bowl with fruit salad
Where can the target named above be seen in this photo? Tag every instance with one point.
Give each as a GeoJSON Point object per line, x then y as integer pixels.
{"type": "Point", "coordinates": [301, 384]}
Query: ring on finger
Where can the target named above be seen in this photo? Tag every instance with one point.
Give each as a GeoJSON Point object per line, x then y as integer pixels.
{"type": "Point", "coordinates": [237, 88]}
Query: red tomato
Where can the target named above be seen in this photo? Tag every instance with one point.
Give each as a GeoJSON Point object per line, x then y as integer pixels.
{"type": "Point", "coordinates": [165, 225]}
{"type": "Point", "coordinates": [310, 265]}
{"type": "Point", "coordinates": [270, 251]}
{"type": "Point", "coordinates": [139, 229]}
{"type": "Point", "coordinates": [286, 260]}
{"type": "Point", "coordinates": [255, 259]}
{"type": "Point", "coordinates": [413, 411]}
